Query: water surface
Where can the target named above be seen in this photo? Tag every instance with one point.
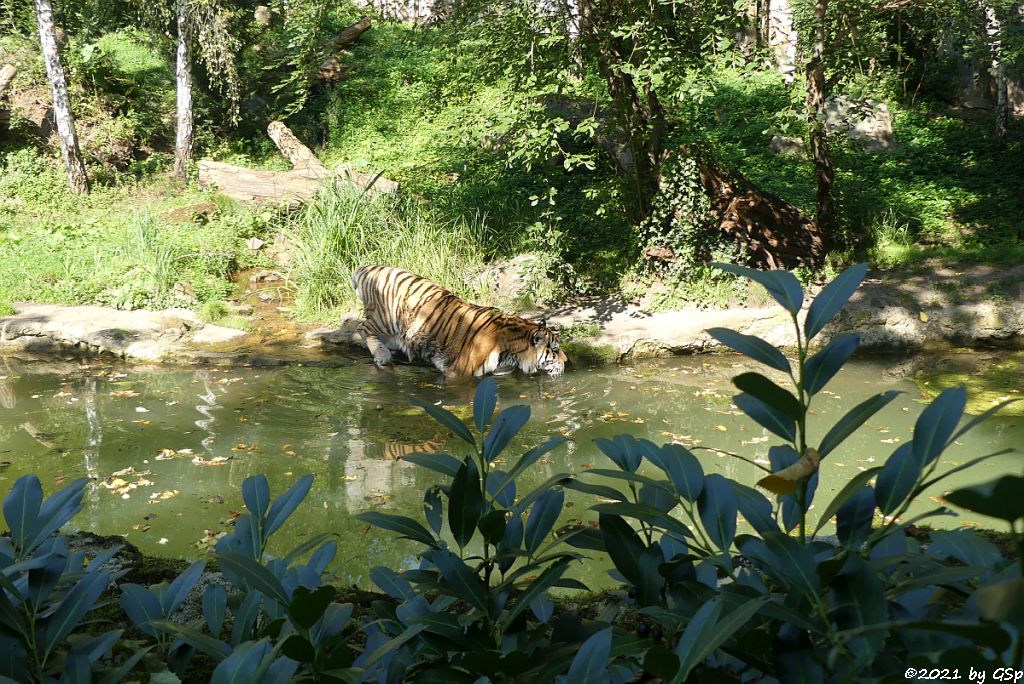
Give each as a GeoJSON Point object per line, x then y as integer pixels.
{"type": "Point", "coordinates": [168, 448]}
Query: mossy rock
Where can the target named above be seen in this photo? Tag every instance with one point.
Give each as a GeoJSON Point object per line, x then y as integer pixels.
{"type": "Point", "coordinates": [989, 380]}
{"type": "Point", "coordinates": [584, 353]}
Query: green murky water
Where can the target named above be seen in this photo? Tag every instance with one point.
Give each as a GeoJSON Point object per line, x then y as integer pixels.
{"type": "Point", "coordinates": [168, 449]}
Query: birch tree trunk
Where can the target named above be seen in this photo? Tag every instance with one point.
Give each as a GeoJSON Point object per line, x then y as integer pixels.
{"type": "Point", "coordinates": [183, 136]}
{"type": "Point", "coordinates": [77, 179]}
{"type": "Point", "coordinates": [824, 172]}
{"type": "Point", "coordinates": [994, 29]}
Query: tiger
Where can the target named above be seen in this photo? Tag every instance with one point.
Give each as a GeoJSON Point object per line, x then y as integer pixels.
{"type": "Point", "coordinates": [406, 312]}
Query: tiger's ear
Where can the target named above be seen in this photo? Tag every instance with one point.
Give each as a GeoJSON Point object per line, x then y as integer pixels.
{"type": "Point", "coordinates": [543, 322]}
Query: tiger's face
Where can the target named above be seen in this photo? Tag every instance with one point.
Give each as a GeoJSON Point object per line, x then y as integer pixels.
{"type": "Point", "coordinates": [545, 352]}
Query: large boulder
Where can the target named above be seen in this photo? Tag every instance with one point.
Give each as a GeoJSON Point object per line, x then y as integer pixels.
{"type": "Point", "coordinates": [865, 121]}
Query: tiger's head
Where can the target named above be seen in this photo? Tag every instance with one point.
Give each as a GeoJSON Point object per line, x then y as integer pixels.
{"type": "Point", "coordinates": [544, 352]}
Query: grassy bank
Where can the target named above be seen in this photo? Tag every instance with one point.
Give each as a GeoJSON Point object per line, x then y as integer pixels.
{"type": "Point", "coordinates": [412, 106]}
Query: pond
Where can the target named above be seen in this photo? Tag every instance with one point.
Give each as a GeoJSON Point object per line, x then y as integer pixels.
{"type": "Point", "coordinates": [168, 448]}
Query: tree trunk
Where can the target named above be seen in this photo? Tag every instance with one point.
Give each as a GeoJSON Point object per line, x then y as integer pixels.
{"type": "Point", "coordinates": [817, 94]}
{"type": "Point", "coordinates": [183, 137]}
{"type": "Point", "coordinates": [65, 120]}
{"type": "Point", "coordinates": [638, 108]}
{"type": "Point", "coordinates": [994, 29]}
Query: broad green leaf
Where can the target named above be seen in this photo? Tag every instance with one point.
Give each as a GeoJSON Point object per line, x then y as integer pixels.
{"type": "Point", "coordinates": [21, 507]}
{"type": "Point", "coordinates": [760, 387]}
{"type": "Point", "coordinates": [447, 419]}
{"type": "Point", "coordinates": [766, 416]}
{"type": "Point", "coordinates": [508, 424]}
{"type": "Point", "coordinates": [286, 504]}
{"type": "Point", "coordinates": [1002, 498]}
{"type": "Point", "coordinates": [528, 459]}
{"type": "Point", "coordinates": [936, 424]}
{"type": "Point", "coordinates": [859, 600]}
{"type": "Point", "coordinates": [242, 665]}
{"type": "Point", "coordinates": [591, 661]}
{"type": "Point", "coordinates": [704, 619]}
{"type": "Point", "coordinates": [849, 489]}
{"type": "Point", "coordinates": [391, 583]}
{"type": "Point", "coordinates": [623, 450]}
{"type": "Point", "coordinates": [181, 586]}
{"type": "Point", "coordinates": [1003, 601]}
{"type": "Point", "coordinates": [215, 603]}
{"type": "Point", "coordinates": [141, 606]}
{"type": "Point", "coordinates": [256, 575]}
{"type": "Point", "coordinates": [308, 605]}
{"type": "Point", "coordinates": [484, 401]}
{"type": "Point", "coordinates": [781, 285]}
{"type": "Point", "coordinates": [832, 298]}
{"type": "Point", "coordinates": [754, 507]}
{"type": "Point", "coordinates": [492, 526]}
{"type": "Point", "coordinates": [853, 519]}
{"type": "Point", "coordinates": [463, 583]}
{"type": "Point", "coordinates": [79, 600]}
{"type": "Point", "coordinates": [752, 346]}
{"type": "Point", "coordinates": [717, 506]}
{"type": "Point", "coordinates": [897, 479]}
{"type": "Point", "coordinates": [407, 527]}
{"type": "Point", "coordinates": [433, 510]}
{"type": "Point", "coordinates": [853, 419]}
{"type": "Point", "coordinates": [536, 589]}
{"type": "Point", "coordinates": [446, 464]}
{"type": "Point", "coordinates": [794, 562]}
{"type": "Point", "coordinates": [596, 489]}
{"type": "Point", "coordinates": [256, 494]}
{"type": "Point", "coordinates": [623, 545]}
{"type": "Point", "coordinates": [646, 514]}
{"type": "Point", "coordinates": [543, 516]}
{"type": "Point", "coordinates": [709, 639]}
{"type": "Point", "coordinates": [684, 470]}
{"type": "Point", "coordinates": [823, 366]}
{"type": "Point", "coordinates": [56, 510]}
{"type": "Point", "coordinates": [465, 503]}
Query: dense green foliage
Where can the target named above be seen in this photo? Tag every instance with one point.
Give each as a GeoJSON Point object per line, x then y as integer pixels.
{"type": "Point", "coordinates": [503, 121]}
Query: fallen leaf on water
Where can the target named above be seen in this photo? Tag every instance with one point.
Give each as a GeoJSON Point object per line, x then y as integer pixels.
{"type": "Point", "coordinates": [142, 527]}
{"type": "Point", "coordinates": [163, 540]}
{"type": "Point", "coordinates": [893, 440]}
{"type": "Point", "coordinates": [215, 461]}
{"type": "Point", "coordinates": [124, 471]}
{"type": "Point", "coordinates": [149, 516]}
{"type": "Point", "coordinates": [209, 539]}
{"type": "Point", "coordinates": [141, 409]}
{"type": "Point", "coordinates": [124, 393]}
{"type": "Point", "coordinates": [350, 478]}
{"type": "Point", "coordinates": [721, 428]}
{"type": "Point", "coordinates": [144, 422]}
{"type": "Point", "coordinates": [586, 465]}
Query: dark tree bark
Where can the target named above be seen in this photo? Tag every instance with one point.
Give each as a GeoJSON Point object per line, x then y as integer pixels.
{"type": "Point", "coordinates": [65, 120]}
{"type": "Point", "coordinates": [817, 93]}
{"type": "Point", "coordinates": [637, 106]}
{"type": "Point", "coordinates": [185, 125]}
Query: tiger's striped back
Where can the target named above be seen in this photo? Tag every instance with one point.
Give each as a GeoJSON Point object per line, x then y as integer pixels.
{"type": "Point", "coordinates": [406, 312]}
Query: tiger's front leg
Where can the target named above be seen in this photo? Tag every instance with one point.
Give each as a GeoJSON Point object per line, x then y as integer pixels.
{"type": "Point", "coordinates": [377, 347]}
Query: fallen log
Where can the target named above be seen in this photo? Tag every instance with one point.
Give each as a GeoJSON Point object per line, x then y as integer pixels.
{"type": "Point", "coordinates": [291, 187]}
{"type": "Point", "coordinates": [331, 68]}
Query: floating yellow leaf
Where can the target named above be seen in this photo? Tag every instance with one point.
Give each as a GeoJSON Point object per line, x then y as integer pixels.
{"type": "Point", "coordinates": [785, 481]}
{"type": "Point", "coordinates": [721, 428]}
{"type": "Point", "coordinates": [923, 316]}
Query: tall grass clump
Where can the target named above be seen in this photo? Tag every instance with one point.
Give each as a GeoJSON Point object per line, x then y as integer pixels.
{"type": "Point", "coordinates": [342, 230]}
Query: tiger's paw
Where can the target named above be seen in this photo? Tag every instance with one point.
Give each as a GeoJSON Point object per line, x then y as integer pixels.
{"type": "Point", "coordinates": [382, 357]}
